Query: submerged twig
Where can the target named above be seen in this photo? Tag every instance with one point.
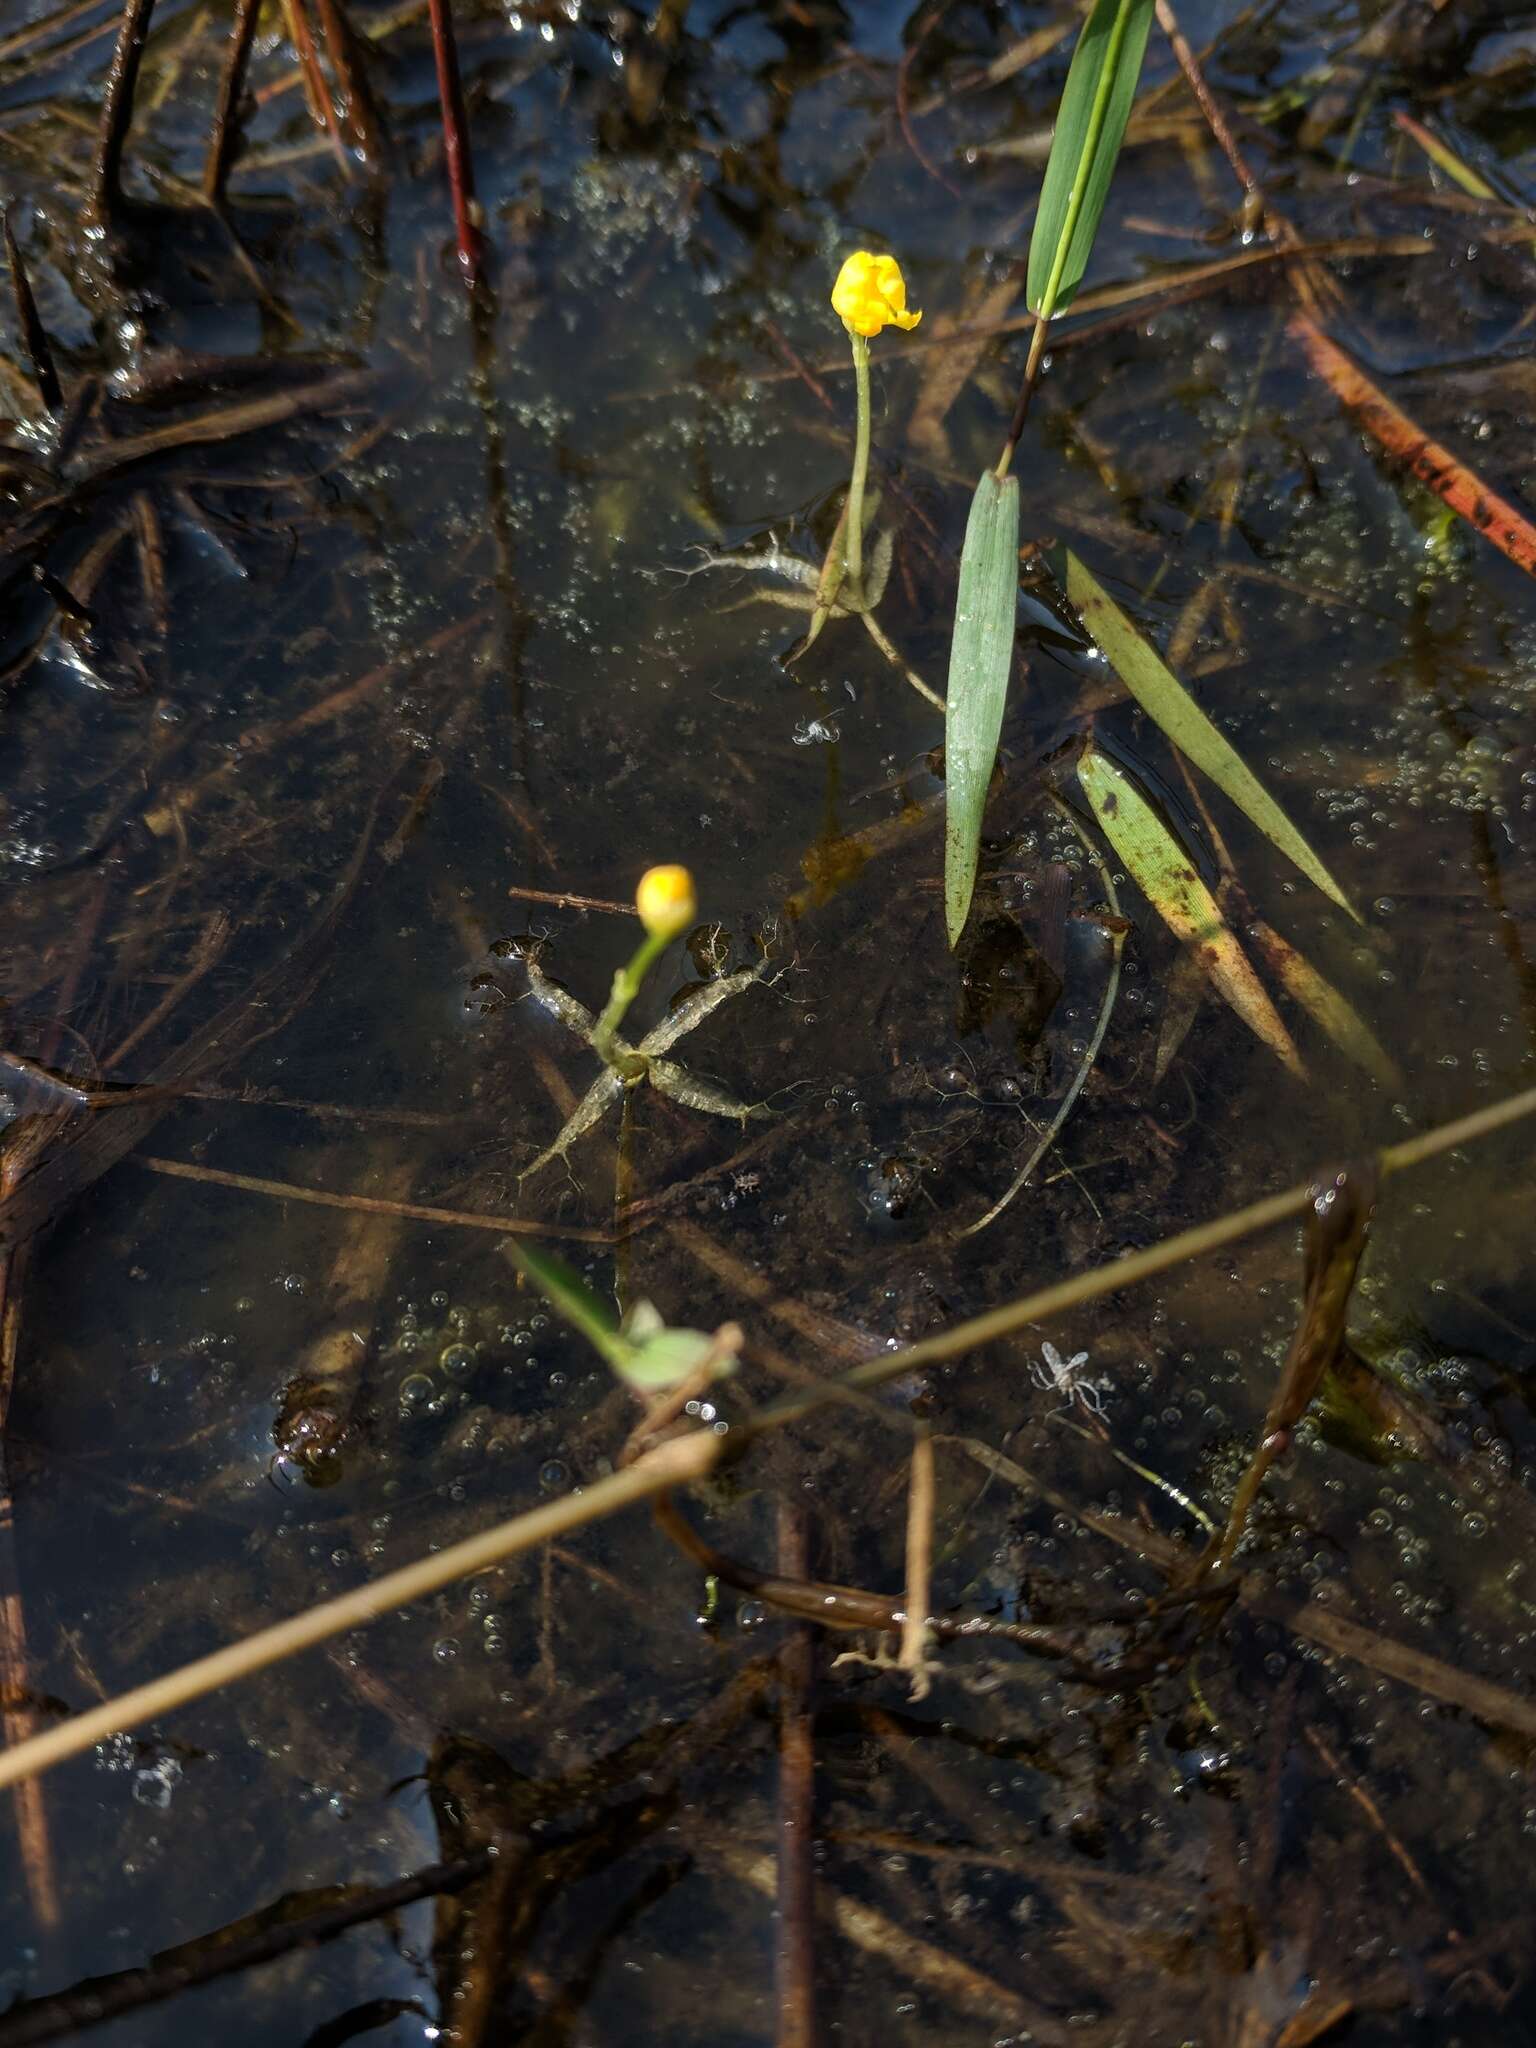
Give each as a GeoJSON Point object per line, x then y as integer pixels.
{"type": "Point", "coordinates": [680, 1463]}
{"type": "Point", "coordinates": [456, 152]}
{"type": "Point", "coordinates": [1484, 509]}
{"type": "Point", "coordinates": [315, 88]}
{"type": "Point", "coordinates": [34, 335]}
{"type": "Point", "coordinates": [210, 1957]}
{"type": "Point", "coordinates": [225, 137]}
{"type": "Point", "coordinates": [371, 1205]}
{"type": "Point", "coordinates": [117, 112]}
{"type": "Point", "coordinates": [687, 1459]}
{"type": "Point", "coordinates": [795, 1946]}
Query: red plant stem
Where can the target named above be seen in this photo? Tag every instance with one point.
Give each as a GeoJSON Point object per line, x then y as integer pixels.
{"type": "Point", "coordinates": [226, 123]}
{"type": "Point", "coordinates": [461, 168]}
{"type": "Point", "coordinates": [1485, 509]}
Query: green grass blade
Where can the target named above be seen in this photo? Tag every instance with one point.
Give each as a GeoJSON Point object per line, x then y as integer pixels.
{"type": "Point", "coordinates": [644, 1352]}
{"type": "Point", "coordinates": [1164, 698]}
{"type": "Point", "coordinates": [1162, 870]}
{"type": "Point", "coordinates": [570, 1296]}
{"type": "Point", "coordinates": [1090, 128]}
{"type": "Point", "coordinates": [980, 659]}
{"type": "Point", "coordinates": [1334, 1012]}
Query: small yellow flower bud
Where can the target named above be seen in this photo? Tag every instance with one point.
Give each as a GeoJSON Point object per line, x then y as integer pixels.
{"type": "Point", "coordinates": [871, 293]}
{"type": "Point", "coordinates": [666, 901]}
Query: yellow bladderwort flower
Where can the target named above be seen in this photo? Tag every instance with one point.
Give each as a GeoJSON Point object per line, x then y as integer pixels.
{"type": "Point", "coordinates": [667, 902]}
{"type": "Point", "coordinates": [871, 294]}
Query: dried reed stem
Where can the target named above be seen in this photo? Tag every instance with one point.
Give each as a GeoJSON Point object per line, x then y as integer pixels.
{"type": "Point", "coordinates": [917, 1605]}
{"type": "Point", "coordinates": [689, 1458]}
{"type": "Point", "coordinates": [681, 1463]}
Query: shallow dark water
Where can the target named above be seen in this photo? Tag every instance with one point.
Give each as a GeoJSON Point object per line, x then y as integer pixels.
{"type": "Point", "coordinates": [489, 533]}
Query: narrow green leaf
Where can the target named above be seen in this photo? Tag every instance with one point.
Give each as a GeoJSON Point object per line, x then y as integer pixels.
{"type": "Point", "coordinates": [570, 1295]}
{"type": "Point", "coordinates": [643, 1351]}
{"type": "Point", "coordinates": [980, 659]}
{"type": "Point", "coordinates": [1090, 128]}
{"type": "Point", "coordinates": [1317, 995]}
{"type": "Point", "coordinates": [1165, 875]}
{"type": "Point", "coordinates": [1164, 698]}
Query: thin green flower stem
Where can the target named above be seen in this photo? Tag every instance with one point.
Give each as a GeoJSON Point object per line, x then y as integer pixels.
{"type": "Point", "coordinates": [626, 986]}
{"type": "Point", "coordinates": [1047, 306]}
{"type": "Point", "coordinates": [883, 642]}
{"type": "Point", "coordinates": [853, 543]}
{"type": "Point", "coordinates": [1090, 1058]}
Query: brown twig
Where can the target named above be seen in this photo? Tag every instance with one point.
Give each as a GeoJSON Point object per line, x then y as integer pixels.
{"type": "Point", "coordinates": [373, 1205]}
{"type": "Point", "coordinates": [357, 101]}
{"type": "Point", "coordinates": [38, 31]}
{"type": "Point", "coordinates": [456, 152]}
{"type": "Point", "coordinates": [117, 112]}
{"type": "Point", "coordinates": [18, 1719]}
{"type": "Point", "coordinates": [226, 126]}
{"type": "Point", "coordinates": [1338, 1219]}
{"type": "Point", "coordinates": [1210, 106]}
{"type": "Point", "coordinates": [562, 899]}
{"type": "Point", "coordinates": [913, 1656]}
{"type": "Point", "coordinates": [680, 1463]}
{"type": "Point", "coordinates": [205, 1960]}
{"type": "Point", "coordinates": [795, 1947]}
{"type": "Point", "coordinates": [904, 103]}
{"type": "Point", "coordinates": [34, 335]}
{"type": "Point", "coordinates": [316, 90]}
{"type": "Point", "coordinates": [211, 942]}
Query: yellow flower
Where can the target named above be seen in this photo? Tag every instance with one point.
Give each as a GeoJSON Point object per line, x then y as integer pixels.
{"type": "Point", "coordinates": [666, 901]}
{"type": "Point", "coordinates": [871, 293]}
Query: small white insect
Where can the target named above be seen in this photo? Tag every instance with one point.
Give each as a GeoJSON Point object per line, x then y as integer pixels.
{"type": "Point", "coordinates": [1065, 1376]}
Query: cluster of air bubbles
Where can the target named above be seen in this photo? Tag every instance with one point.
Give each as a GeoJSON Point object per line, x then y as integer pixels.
{"type": "Point", "coordinates": [492, 1622]}
{"type": "Point", "coordinates": [154, 1784]}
